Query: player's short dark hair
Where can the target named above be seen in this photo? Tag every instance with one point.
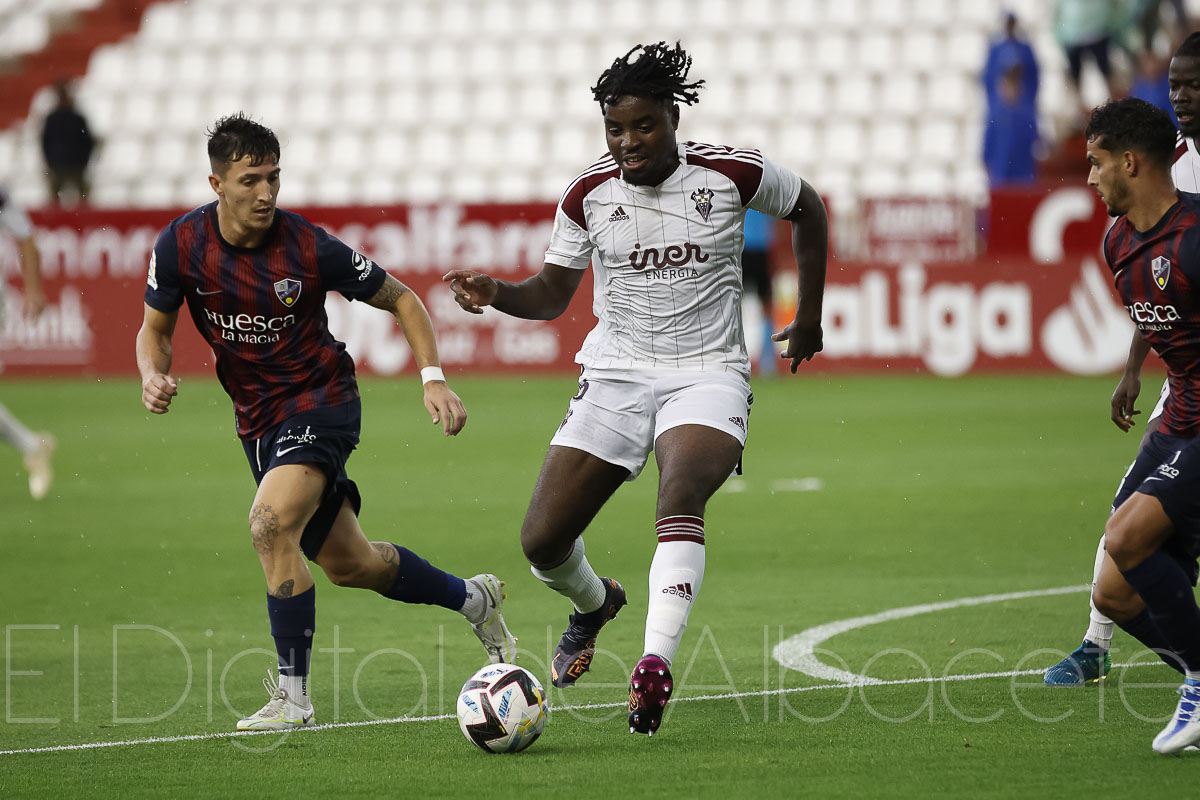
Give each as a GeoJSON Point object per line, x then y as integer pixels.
{"type": "Point", "coordinates": [659, 72]}
{"type": "Point", "coordinates": [1190, 47]}
{"type": "Point", "coordinates": [1134, 124]}
{"type": "Point", "coordinates": [236, 137]}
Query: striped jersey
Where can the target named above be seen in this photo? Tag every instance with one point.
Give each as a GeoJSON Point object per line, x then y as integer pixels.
{"type": "Point", "coordinates": [262, 310]}
{"type": "Point", "coordinates": [1157, 275]}
{"type": "Point", "coordinates": [667, 259]}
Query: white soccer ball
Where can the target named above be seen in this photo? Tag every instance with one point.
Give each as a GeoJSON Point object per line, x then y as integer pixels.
{"type": "Point", "coordinates": [502, 708]}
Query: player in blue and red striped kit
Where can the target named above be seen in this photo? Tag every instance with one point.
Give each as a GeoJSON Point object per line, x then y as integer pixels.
{"type": "Point", "coordinates": [254, 279]}
{"type": "Point", "coordinates": [1153, 251]}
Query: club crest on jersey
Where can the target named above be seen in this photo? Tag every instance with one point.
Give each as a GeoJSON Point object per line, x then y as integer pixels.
{"type": "Point", "coordinates": [288, 291]}
{"type": "Point", "coordinates": [703, 198]}
{"type": "Point", "coordinates": [1160, 268]}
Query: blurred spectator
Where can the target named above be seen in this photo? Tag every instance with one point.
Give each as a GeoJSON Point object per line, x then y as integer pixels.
{"type": "Point", "coordinates": [1010, 81]}
{"type": "Point", "coordinates": [35, 447]}
{"type": "Point", "coordinates": [1084, 29]}
{"type": "Point", "coordinates": [67, 146]}
{"type": "Point", "coordinates": [1004, 51]}
{"type": "Point", "coordinates": [1011, 134]}
{"type": "Point", "coordinates": [1148, 15]}
{"type": "Point", "coordinates": [1150, 82]}
{"type": "Point", "coordinates": [758, 230]}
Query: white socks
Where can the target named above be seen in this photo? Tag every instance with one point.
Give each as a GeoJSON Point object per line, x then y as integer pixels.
{"type": "Point", "coordinates": [13, 432]}
{"type": "Point", "coordinates": [296, 687]}
{"type": "Point", "coordinates": [575, 580]}
{"type": "Point", "coordinates": [675, 576]}
{"type": "Point", "coordinates": [475, 605]}
{"type": "Point", "coordinates": [1100, 627]}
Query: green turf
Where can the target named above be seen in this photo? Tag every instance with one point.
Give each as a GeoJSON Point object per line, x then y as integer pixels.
{"type": "Point", "coordinates": [139, 568]}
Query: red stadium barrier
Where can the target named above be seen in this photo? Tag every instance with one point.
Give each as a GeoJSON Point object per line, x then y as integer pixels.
{"type": "Point", "coordinates": [1038, 298]}
{"type": "Point", "coordinates": [94, 263]}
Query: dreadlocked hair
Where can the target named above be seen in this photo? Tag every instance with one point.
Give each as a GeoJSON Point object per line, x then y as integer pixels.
{"type": "Point", "coordinates": [659, 72]}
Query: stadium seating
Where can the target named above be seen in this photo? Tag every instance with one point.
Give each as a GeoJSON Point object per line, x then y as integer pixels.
{"type": "Point", "coordinates": [478, 100]}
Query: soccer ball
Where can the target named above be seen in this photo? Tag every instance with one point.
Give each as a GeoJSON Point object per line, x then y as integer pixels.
{"type": "Point", "coordinates": [502, 708]}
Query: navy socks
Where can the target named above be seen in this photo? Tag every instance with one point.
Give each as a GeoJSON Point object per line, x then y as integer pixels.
{"type": "Point", "coordinates": [293, 620]}
{"type": "Point", "coordinates": [418, 581]}
{"type": "Point", "coordinates": [1170, 606]}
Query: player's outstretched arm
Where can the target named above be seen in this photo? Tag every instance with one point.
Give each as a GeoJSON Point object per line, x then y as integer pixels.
{"type": "Point", "coordinates": [154, 359]}
{"type": "Point", "coordinates": [543, 296]}
{"type": "Point", "coordinates": [1130, 385]}
{"type": "Point", "coordinates": [31, 267]}
{"type": "Point", "coordinates": [443, 405]}
{"type": "Point", "coordinates": [810, 245]}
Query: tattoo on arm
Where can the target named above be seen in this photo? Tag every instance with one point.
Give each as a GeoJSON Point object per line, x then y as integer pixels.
{"type": "Point", "coordinates": [389, 294]}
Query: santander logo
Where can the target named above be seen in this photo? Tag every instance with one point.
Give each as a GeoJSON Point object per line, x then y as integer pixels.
{"type": "Point", "coordinates": [673, 256]}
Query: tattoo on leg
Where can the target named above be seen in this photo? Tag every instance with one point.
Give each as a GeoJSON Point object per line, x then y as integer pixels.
{"type": "Point", "coordinates": [392, 560]}
{"type": "Point", "coordinates": [264, 528]}
{"type": "Point", "coordinates": [285, 589]}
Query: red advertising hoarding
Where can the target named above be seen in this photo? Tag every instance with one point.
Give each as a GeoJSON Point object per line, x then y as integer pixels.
{"type": "Point", "coordinates": [1038, 298]}
{"type": "Point", "coordinates": [95, 263]}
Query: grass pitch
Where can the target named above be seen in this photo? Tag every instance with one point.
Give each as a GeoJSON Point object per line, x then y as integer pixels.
{"type": "Point", "coordinates": [135, 623]}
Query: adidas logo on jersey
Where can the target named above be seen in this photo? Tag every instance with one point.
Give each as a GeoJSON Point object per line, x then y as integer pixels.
{"type": "Point", "coordinates": [619, 215]}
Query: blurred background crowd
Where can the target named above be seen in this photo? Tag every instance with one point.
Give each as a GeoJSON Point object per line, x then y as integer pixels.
{"type": "Point", "coordinates": [382, 101]}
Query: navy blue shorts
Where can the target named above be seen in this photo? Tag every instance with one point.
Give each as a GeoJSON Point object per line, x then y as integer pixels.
{"type": "Point", "coordinates": [324, 437]}
{"type": "Point", "coordinates": [1168, 468]}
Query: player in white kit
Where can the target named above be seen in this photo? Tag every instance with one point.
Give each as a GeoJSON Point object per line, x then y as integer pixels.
{"type": "Point", "coordinates": [666, 367]}
{"type": "Point", "coordinates": [1113, 600]}
{"type": "Point", "coordinates": [35, 447]}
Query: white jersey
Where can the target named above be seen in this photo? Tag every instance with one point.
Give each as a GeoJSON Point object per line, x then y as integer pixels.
{"type": "Point", "coordinates": [13, 219]}
{"type": "Point", "coordinates": [667, 258]}
{"type": "Point", "coordinates": [1185, 172]}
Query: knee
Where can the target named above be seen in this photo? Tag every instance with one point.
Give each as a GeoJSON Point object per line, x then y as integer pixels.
{"type": "Point", "coordinates": [346, 574]}
{"type": "Point", "coordinates": [541, 549]}
{"type": "Point", "coordinates": [1121, 543]}
{"type": "Point", "coordinates": [680, 494]}
{"type": "Point", "coordinates": [271, 531]}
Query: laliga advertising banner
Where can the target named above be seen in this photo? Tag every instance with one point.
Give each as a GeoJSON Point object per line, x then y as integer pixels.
{"type": "Point", "coordinates": [1038, 298]}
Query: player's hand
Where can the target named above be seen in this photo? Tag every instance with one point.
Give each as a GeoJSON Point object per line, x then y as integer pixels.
{"type": "Point", "coordinates": [472, 290]}
{"type": "Point", "coordinates": [1123, 398]}
{"type": "Point", "coordinates": [803, 342]}
{"type": "Point", "coordinates": [35, 303]}
{"type": "Point", "coordinates": [444, 406]}
{"type": "Point", "coordinates": [157, 392]}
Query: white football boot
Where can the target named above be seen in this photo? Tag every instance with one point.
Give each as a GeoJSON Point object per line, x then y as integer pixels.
{"type": "Point", "coordinates": [500, 644]}
{"type": "Point", "coordinates": [281, 713]}
{"type": "Point", "coordinates": [1184, 728]}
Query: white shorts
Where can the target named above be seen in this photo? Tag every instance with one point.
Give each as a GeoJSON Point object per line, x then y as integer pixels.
{"type": "Point", "coordinates": [618, 414]}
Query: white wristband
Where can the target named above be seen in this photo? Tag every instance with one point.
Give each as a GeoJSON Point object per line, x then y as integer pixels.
{"type": "Point", "coordinates": [432, 374]}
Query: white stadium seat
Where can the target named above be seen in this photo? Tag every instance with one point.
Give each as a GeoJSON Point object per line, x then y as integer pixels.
{"type": "Point", "coordinates": [499, 89]}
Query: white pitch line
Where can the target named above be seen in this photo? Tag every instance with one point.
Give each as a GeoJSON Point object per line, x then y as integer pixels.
{"type": "Point", "coordinates": [799, 652]}
{"type": "Point", "coordinates": [62, 748]}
